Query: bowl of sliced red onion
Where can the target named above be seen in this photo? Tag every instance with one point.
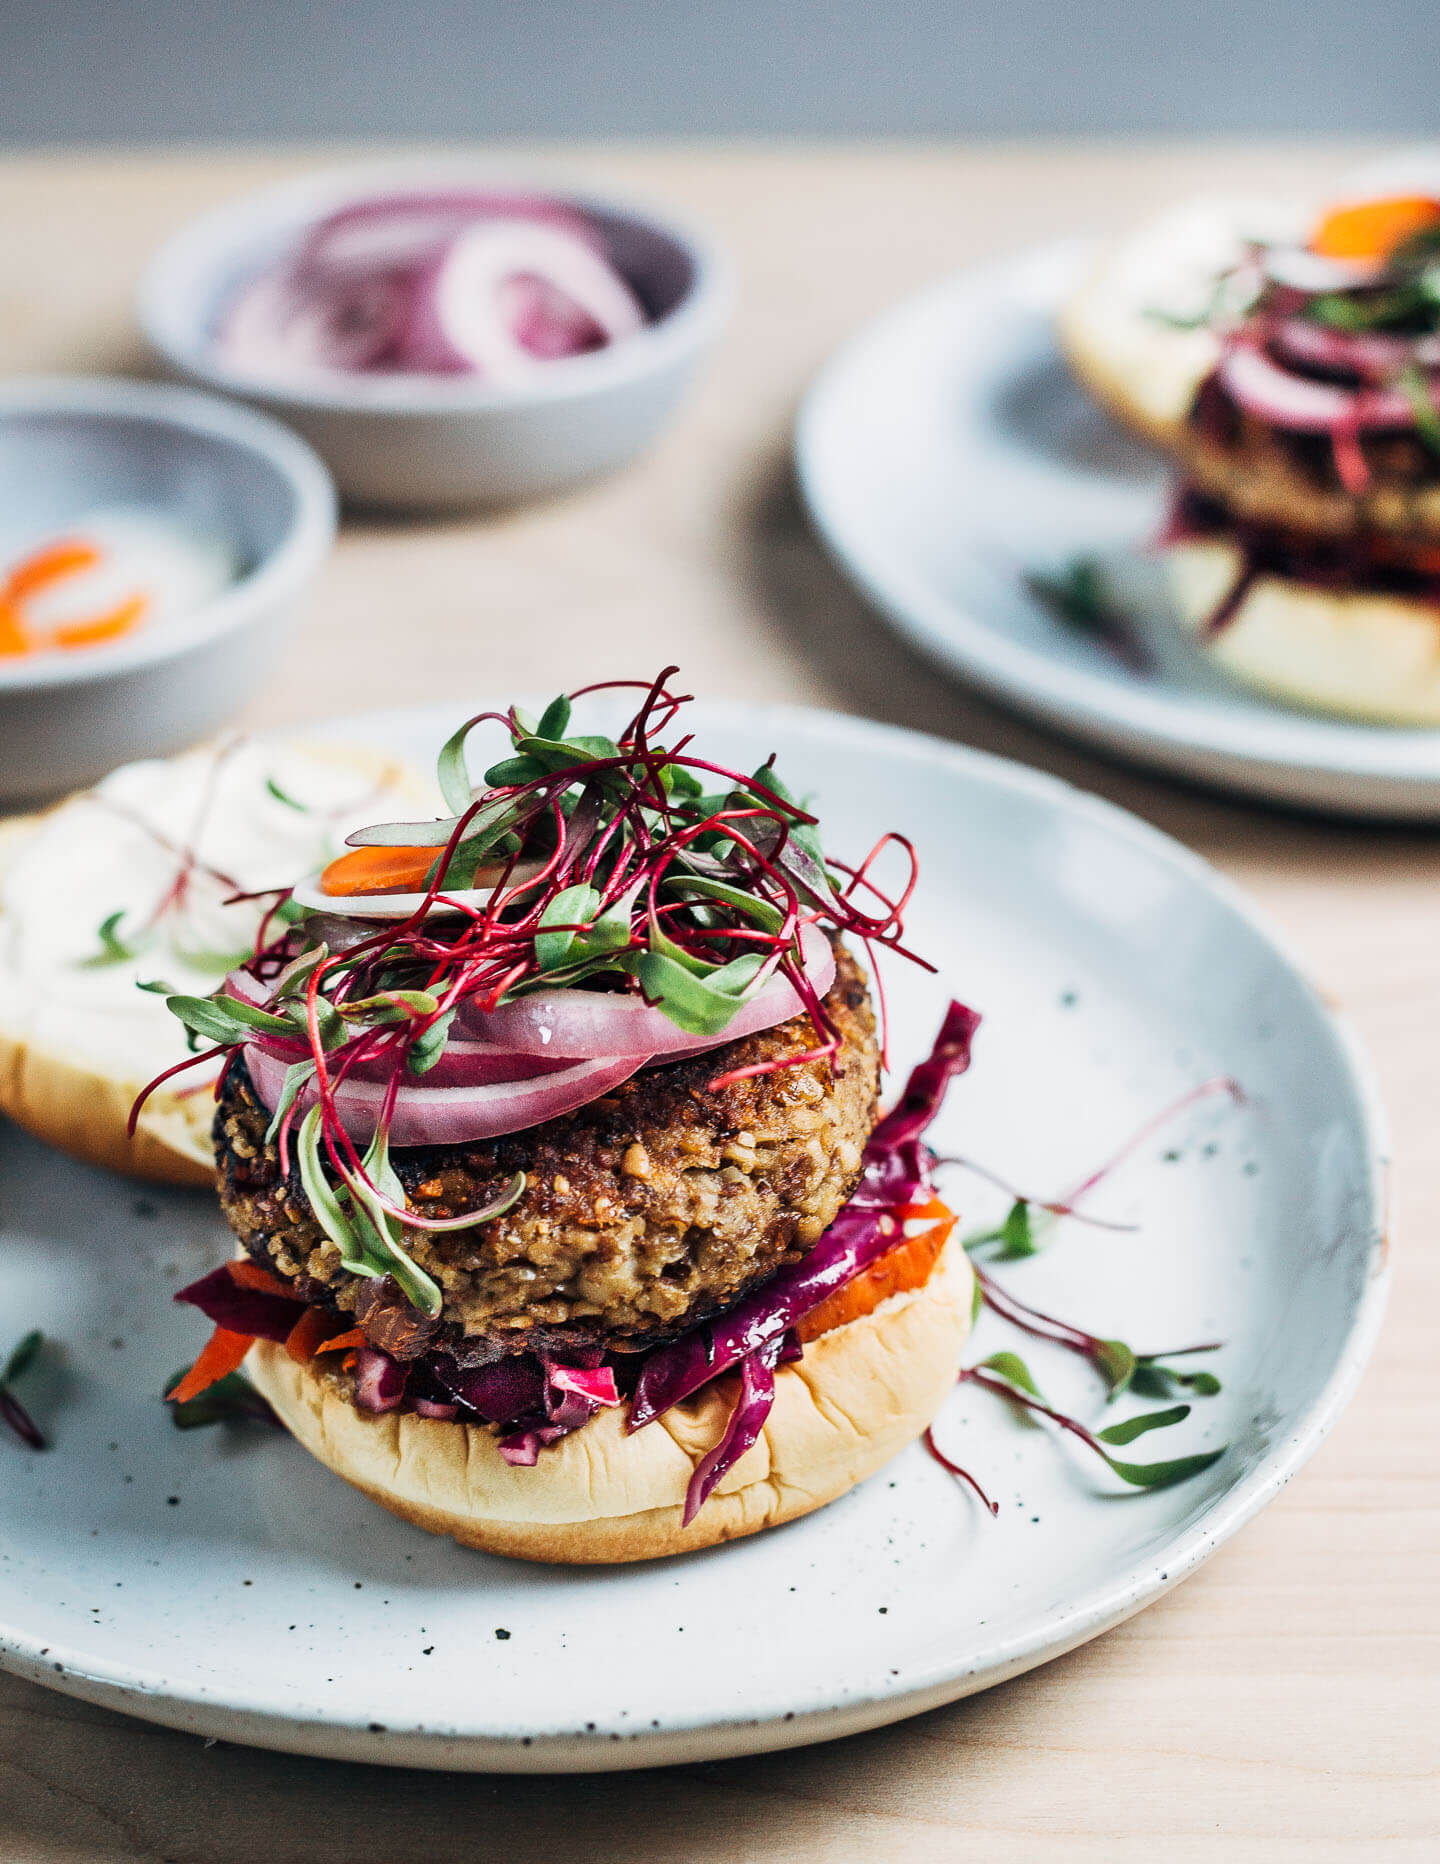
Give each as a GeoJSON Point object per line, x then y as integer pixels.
{"type": "Point", "coordinates": [444, 334]}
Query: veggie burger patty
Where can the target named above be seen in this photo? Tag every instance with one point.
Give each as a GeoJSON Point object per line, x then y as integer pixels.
{"type": "Point", "coordinates": [643, 1212]}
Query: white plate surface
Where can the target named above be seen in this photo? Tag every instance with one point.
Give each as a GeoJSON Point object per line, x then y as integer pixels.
{"type": "Point", "coordinates": [221, 1581]}
{"type": "Point", "coordinates": [946, 450]}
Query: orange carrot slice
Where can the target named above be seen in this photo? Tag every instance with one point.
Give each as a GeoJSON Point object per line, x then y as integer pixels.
{"type": "Point", "coordinates": [343, 1342]}
{"type": "Point", "coordinates": [250, 1275]}
{"type": "Point", "coordinates": [107, 627]}
{"type": "Point", "coordinates": [13, 638]}
{"type": "Point", "coordinates": [908, 1264]}
{"type": "Point", "coordinates": [1369, 231]}
{"type": "Point", "coordinates": [307, 1335]}
{"type": "Point", "coordinates": [51, 563]}
{"type": "Point", "coordinates": [222, 1355]}
{"type": "Point", "coordinates": [379, 870]}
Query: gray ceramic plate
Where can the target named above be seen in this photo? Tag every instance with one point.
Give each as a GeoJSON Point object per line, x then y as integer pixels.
{"type": "Point", "coordinates": [222, 1582]}
{"type": "Point", "coordinates": [946, 450]}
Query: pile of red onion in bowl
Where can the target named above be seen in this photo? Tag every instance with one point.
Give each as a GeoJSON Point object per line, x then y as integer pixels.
{"type": "Point", "coordinates": [482, 282]}
{"type": "Point", "coordinates": [530, 1060]}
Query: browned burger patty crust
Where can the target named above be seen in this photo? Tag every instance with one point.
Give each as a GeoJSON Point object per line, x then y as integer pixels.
{"type": "Point", "coordinates": [654, 1206]}
{"type": "Point", "coordinates": [1267, 476]}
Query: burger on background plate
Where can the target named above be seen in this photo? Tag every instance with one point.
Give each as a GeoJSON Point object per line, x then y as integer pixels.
{"type": "Point", "coordinates": [1290, 360]}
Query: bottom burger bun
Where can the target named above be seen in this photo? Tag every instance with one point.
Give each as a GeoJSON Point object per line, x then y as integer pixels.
{"type": "Point", "coordinates": [78, 1041]}
{"type": "Point", "coordinates": [1360, 653]}
{"type": "Point", "coordinates": [861, 1392]}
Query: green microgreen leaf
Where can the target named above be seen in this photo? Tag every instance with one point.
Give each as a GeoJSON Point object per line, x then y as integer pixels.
{"type": "Point", "coordinates": [454, 776]}
{"type": "Point", "coordinates": [392, 1006]}
{"type": "Point", "coordinates": [571, 908]}
{"type": "Point", "coordinates": [1154, 1379]}
{"type": "Point", "coordinates": [429, 1045]}
{"type": "Point", "coordinates": [1025, 1232]}
{"type": "Point", "coordinates": [226, 1019]}
{"type": "Point", "coordinates": [1426, 417]}
{"type": "Point", "coordinates": [22, 1356]}
{"type": "Point", "coordinates": [681, 782]}
{"type": "Point", "coordinates": [297, 1076]}
{"type": "Point", "coordinates": [512, 771]}
{"type": "Point", "coordinates": [1132, 1427]}
{"type": "Point", "coordinates": [157, 986]}
{"type": "Point", "coordinates": [366, 1210]}
{"type": "Point", "coordinates": [325, 1206]}
{"type": "Point", "coordinates": [769, 918]}
{"type": "Point", "coordinates": [1164, 1475]}
{"type": "Point", "coordinates": [113, 948]}
{"type": "Point", "coordinates": [700, 1006]}
{"type": "Point", "coordinates": [555, 719]}
{"type": "Point", "coordinates": [1116, 1364]}
{"type": "Point", "coordinates": [284, 796]}
{"type": "Point", "coordinates": [226, 1401]}
{"type": "Point", "coordinates": [1013, 1369]}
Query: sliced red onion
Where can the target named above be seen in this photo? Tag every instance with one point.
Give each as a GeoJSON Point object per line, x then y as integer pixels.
{"type": "Point", "coordinates": [402, 230]}
{"type": "Point", "coordinates": [598, 1023]}
{"type": "Point", "coordinates": [462, 1064]}
{"type": "Point", "coordinates": [1312, 272]}
{"type": "Point", "coordinates": [379, 1381]}
{"type": "Point", "coordinates": [427, 1407]}
{"type": "Point", "coordinates": [1300, 405]}
{"type": "Point", "coordinates": [449, 1116]}
{"type": "Point", "coordinates": [464, 314]}
{"type": "Point", "coordinates": [443, 282]}
{"type": "Point", "coordinates": [1363, 352]}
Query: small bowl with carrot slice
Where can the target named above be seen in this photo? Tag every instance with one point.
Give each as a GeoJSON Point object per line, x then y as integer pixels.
{"type": "Point", "coordinates": [154, 546]}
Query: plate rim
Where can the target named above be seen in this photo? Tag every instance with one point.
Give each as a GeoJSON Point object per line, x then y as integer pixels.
{"type": "Point", "coordinates": [708, 1737]}
{"type": "Point", "coordinates": [1079, 704]}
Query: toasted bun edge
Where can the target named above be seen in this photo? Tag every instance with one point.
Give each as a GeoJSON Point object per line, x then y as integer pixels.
{"type": "Point", "coordinates": [857, 1397]}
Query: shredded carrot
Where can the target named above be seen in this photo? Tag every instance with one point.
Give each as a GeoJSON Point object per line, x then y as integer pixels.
{"type": "Point", "coordinates": [306, 1336]}
{"type": "Point", "coordinates": [13, 638]}
{"type": "Point", "coordinates": [908, 1264]}
{"type": "Point", "coordinates": [379, 870]}
{"type": "Point", "coordinates": [250, 1275]}
{"type": "Point", "coordinates": [107, 627]}
{"type": "Point", "coordinates": [50, 563]}
{"type": "Point", "coordinates": [343, 1342]}
{"type": "Point", "coordinates": [1370, 231]}
{"type": "Point", "coordinates": [348, 1363]}
{"type": "Point", "coordinates": [222, 1355]}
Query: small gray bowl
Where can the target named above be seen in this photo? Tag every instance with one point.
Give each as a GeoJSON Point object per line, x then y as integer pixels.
{"type": "Point", "coordinates": [70, 444]}
{"type": "Point", "coordinates": [429, 443]}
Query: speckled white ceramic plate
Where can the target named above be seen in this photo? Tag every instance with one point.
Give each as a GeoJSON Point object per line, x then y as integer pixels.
{"type": "Point", "coordinates": [946, 450]}
{"type": "Point", "coordinates": [220, 1581]}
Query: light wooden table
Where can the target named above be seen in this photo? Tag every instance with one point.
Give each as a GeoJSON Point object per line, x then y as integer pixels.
{"type": "Point", "coordinates": [1285, 1703]}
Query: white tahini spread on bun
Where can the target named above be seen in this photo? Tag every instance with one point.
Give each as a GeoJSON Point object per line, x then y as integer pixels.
{"type": "Point", "coordinates": [78, 1038]}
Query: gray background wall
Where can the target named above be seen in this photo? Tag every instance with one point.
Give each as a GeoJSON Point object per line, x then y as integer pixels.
{"type": "Point", "coordinates": [120, 70]}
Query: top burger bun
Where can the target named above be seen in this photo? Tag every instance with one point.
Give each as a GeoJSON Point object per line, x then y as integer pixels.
{"type": "Point", "coordinates": [78, 1039]}
{"type": "Point", "coordinates": [1122, 329]}
{"type": "Point", "coordinates": [861, 1392]}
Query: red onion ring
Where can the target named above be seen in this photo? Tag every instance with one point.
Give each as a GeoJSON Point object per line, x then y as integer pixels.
{"type": "Point", "coordinates": [458, 281]}
{"type": "Point", "coordinates": [607, 1023]}
{"type": "Point", "coordinates": [447, 1116]}
{"type": "Point", "coordinates": [1302, 406]}
{"type": "Point", "coordinates": [1363, 352]}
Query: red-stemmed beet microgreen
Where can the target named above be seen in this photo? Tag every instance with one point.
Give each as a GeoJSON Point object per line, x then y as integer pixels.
{"type": "Point", "coordinates": [1007, 1376]}
{"type": "Point", "coordinates": [627, 863]}
{"type": "Point", "coordinates": [12, 1411]}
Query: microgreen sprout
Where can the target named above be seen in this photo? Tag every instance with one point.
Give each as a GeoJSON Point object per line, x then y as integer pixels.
{"type": "Point", "coordinates": [1007, 1376]}
{"type": "Point", "coordinates": [22, 1358]}
{"type": "Point", "coordinates": [226, 1401]}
